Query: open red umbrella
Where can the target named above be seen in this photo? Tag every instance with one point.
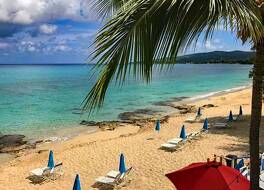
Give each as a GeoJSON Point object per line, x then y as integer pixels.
{"type": "Point", "coordinates": [208, 176]}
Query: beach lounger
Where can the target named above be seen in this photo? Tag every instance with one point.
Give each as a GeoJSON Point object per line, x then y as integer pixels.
{"type": "Point", "coordinates": [113, 177]}
{"type": "Point", "coordinates": [114, 174]}
{"type": "Point", "coordinates": [235, 118]}
{"type": "Point", "coordinates": [169, 146]}
{"type": "Point", "coordinates": [193, 119]}
{"type": "Point", "coordinates": [220, 125]}
{"type": "Point", "coordinates": [45, 171]}
{"type": "Point", "coordinates": [193, 135]}
{"type": "Point", "coordinates": [175, 141]}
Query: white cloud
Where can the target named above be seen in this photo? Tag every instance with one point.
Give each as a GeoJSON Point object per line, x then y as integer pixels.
{"type": "Point", "coordinates": [48, 28]}
{"type": "Point", "coordinates": [61, 48]}
{"type": "Point", "coordinates": [28, 46]}
{"type": "Point", "coordinates": [4, 45]}
{"type": "Point", "coordinates": [31, 11]}
{"type": "Point", "coordinates": [209, 45]}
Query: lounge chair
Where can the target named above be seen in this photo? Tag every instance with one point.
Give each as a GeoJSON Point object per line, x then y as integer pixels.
{"type": "Point", "coordinates": [193, 135]}
{"type": "Point", "coordinates": [220, 125]}
{"type": "Point", "coordinates": [113, 177]}
{"type": "Point", "coordinates": [45, 172]}
{"type": "Point", "coordinates": [193, 119]}
{"type": "Point", "coordinates": [175, 141]}
{"type": "Point", "coordinates": [169, 146]}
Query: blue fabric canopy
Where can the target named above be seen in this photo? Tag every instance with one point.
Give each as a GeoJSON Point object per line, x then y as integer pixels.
{"type": "Point", "coordinates": [240, 164]}
{"type": "Point", "coordinates": [199, 112]}
{"type": "Point", "coordinates": [157, 128]}
{"type": "Point", "coordinates": [51, 160]}
{"type": "Point", "coordinates": [230, 117]}
{"type": "Point", "coordinates": [262, 164]}
{"type": "Point", "coordinates": [183, 133]}
{"type": "Point", "coordinates": [205, 125]}
{"type": "Point", "coordinates": [122, 165]}
{"type": "Point", "coordinates": [240, 111]}
{"type": "Point", "coordinates": [77, 183]}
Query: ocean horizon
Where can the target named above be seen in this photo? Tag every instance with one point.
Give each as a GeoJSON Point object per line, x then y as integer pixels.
{"type": "Point", "coordinates": [38, 100]}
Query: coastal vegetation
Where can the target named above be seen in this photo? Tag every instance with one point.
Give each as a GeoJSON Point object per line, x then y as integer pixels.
{"type": "Point", "coordinates": [142, 31]}
{"type": "Point", "coordinates": [223, 57]}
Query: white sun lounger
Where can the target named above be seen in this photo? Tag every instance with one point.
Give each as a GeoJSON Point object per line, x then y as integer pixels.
{"type": "Point", "coordinates": [113, 177]}
{"type": "Point", "coordinates": [194, 134]}
{"type": "Point", "coordinates": [175, 141]}
{"type": "Point", "coordinates": [220, 125]}
{"type": "Point", "coordinates": [42, 171]}
{"type": "Point", "coordinates": [235, 118]}
{"type": "Point", "coordinates": [193, 119]}
{"type": "Point", "coordinates": [108, 180]}
{"type": "Point", "coordinates": [45, 171]}
{"type": "Point", "coordinates": [169, 146]}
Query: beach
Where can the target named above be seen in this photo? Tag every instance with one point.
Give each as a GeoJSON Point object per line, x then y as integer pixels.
{"type": "Point", "coordinates": [94, 154]}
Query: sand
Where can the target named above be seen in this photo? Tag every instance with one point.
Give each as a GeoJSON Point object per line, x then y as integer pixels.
{"type": "Point", "coordinates": [93, 155]}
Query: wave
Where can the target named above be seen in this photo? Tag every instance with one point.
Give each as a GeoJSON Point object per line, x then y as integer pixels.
{"type": "Point", "coordinates": [203, 96]}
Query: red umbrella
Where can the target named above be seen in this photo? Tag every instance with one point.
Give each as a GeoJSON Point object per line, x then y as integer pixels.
{"type": "Point", "coordinates": [208, 176]}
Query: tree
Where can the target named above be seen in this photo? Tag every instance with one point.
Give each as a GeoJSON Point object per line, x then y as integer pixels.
{"type": "Point", "coordinates": [142, 31]}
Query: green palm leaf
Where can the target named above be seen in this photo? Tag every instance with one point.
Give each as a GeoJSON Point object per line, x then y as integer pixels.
{"type": "Point", "coordinates": [143, 31]}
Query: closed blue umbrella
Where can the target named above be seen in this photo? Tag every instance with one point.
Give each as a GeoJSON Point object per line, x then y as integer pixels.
{"type": "Point", "coordinates": [240, 164]}
{"type": "Point", "coordinates": [157, 128]}
{"type": "Point", "coordinates": [230, 117]}
{"type": "Point", "coordinates": [205, 125]}
{"type": "Point", "coordinates": [77, 183]}
{"type": "Point", "coordinates": [199, 112]}
{"type": "Point", "coordinates": [51, 160]}
{"type": "Point", "coordinates": [240, 111]}
{"type": "Point", "coordinates": [183, 133]}
{"type": "Point", "coordinates": [262, 164]}
{"type": "Point", "coordinates": [122, 165]}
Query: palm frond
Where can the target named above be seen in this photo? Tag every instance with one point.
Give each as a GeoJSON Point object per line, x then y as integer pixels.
{"type": "Point", "coordinates": [106, 8]}
{"type": "Point", "coordinates": [143, 31]}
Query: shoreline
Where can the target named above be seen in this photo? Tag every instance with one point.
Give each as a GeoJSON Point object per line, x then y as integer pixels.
{"type": "Point", "coordinates": [93, 155]}
{"type": "Point", "coordinates": [179, 108]}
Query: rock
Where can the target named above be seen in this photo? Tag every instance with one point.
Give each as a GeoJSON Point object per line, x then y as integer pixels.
{"type": "Point", "coordinates": [43, 150]}
{"type": "Point", "coordinates": [184, 109]}
{"type": "Point", "coordinates": [90, 123]}
{"type": "Point", "coordinates": [137, 114]}
{"type": "Point", "coordinates": [209, 106]}
{"type": "Point", "coordinates": [12, 140]}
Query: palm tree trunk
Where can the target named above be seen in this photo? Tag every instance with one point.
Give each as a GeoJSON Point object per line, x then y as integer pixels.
{"type": "Point", "coordinates": [256, 117]}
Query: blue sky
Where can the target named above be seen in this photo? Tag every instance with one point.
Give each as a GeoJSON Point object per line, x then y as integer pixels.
{"type": "Point", "coordinates": [62, 31]}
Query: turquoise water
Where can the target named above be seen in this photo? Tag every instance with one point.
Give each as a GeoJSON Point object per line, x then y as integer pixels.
{"type": "Point", "coordinates": [37, 99]}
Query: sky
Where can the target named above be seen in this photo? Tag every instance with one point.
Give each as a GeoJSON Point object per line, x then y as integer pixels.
{"type": "Point", "coordinates": [62, 31]}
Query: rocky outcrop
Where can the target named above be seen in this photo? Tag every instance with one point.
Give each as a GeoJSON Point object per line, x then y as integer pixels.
{"type": "Point", "coordinates": [184, 108]}
{"type": "Point", "coordinates": [137, 114]}
{"type": "Point", "coordinates": [12, 143]}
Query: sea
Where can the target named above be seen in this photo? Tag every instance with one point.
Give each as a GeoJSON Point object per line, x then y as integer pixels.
{"type": "Point", "coordinates": [39, 100]}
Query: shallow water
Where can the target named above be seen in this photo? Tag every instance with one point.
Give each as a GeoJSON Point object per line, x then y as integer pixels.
{"type": "Point", "coordinates": [37, 100]}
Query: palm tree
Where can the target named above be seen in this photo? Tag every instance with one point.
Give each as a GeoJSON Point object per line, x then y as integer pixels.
{"type": "Point", "coordinates": [142, 31]}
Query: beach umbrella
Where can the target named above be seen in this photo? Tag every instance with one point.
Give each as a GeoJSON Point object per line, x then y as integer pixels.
{"type": "Point", "coordinates": [240, 164]}
{"type": "Point", "coordinates": [262, 164]}
{"type": "Point", "coordinates": [199, 112]}
{"type": "Point", "coordinates": [205, 125]}
{"type": "Point", "coordinates": [230, 117]}
{"type": "Point", "coordinates": [183, 133]}
{"type": "Point", "coordinates": [157, 128]}
{"type": "Point", "coordinates": [208, 176]}
{"type": "Point", "coordinates": [122, 165]}
{"type": "Point", "coordinates": [77, 183]}
{"type": "Point", "coordinates": [51, 160]}
{"type": "Point", "coordinates": [240, 110]}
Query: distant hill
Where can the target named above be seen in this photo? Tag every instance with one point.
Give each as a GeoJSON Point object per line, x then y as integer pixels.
{"type": "Point", "coordinates": [232, 57]}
